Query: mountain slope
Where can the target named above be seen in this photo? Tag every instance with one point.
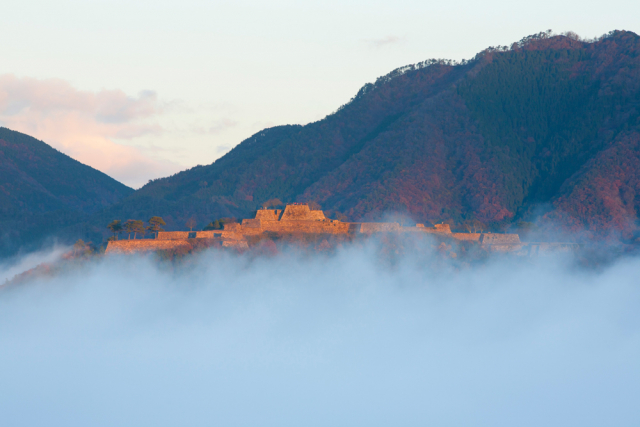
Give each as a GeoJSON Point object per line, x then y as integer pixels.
{"type": "Point", "coordinates": [43, 190]}
{"type": "Point", "coordinates": [497, 138]}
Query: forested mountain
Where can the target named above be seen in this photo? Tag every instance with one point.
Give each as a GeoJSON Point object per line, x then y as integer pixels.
{"type": "Point", "coordinates": [548, 128]}
{"type": "Point", "coordinates": [43, 190]}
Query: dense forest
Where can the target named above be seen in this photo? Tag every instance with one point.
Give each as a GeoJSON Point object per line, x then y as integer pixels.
{"type": "Point", "coordinates": [506, 137]}
{"type": "Point", "coordinates": [43, 191]}
{"type": "Point", "coordinates": [545, 131]}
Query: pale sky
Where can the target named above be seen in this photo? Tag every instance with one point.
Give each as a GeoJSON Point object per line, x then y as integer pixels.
{"type": "Point", "coordinates": [143, 89]}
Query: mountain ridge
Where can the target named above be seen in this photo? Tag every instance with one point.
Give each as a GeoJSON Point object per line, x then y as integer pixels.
{"type": "Point", "coordinates": [546, 130]}
{"type": "Point", "coordinates": [494, 139]}
{"type": "Point", "coordinates": [43, 191]}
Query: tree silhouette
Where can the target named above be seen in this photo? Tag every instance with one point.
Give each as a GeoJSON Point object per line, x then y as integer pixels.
{"type": "Point", "coordinates": [340, 216]}
{"type": "Point", "coordinates": [116, 227]}
{"type": "Point", "coordinates": [218, 224]}
{"type": "Point", "coordinates": [133, 226]}
{"type": "Point", "coordinates": [474, 226]}
{"type": "Point", "coordinates": [138, 227]}
{"type": "Point", "coordinates": [128, 225]}
{"type": "Point", "coordinates": [191, 222]}
{"type": "Point", "coordinates": [155, 225]}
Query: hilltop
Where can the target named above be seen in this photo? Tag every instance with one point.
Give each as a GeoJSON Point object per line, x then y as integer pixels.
{"type": "Point", "coordinates": [545, 129]}
{"type": "Point", "coordinates": [42, 191]}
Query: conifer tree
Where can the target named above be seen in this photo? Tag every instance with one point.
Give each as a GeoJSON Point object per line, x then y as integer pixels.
{"type": "Point", "coordinates": [116, 227]}
{"type": "Point", "coordinates": [155, 225]}
{"type": "Point", "coordinates": [137, 227]}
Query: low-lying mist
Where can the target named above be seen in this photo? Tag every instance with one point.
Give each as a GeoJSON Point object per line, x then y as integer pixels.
{"type": "Point", "coordinates": [10, 267]}
{"type": "Point", "coordinates": [329, 340]}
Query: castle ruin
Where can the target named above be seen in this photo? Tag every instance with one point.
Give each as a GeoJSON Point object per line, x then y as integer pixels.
{"type": "Point", "coordinates": [300, 219]}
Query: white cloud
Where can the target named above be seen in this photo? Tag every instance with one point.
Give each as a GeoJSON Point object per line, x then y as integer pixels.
{"type": "Point", "coordinates": [215, 127]}
{"type": "Point", "coordinates": [338, 340]}
{"type": "Point", "coordinates": [85, 124]}
{"type": "Point", "coordinates": [385, 41]}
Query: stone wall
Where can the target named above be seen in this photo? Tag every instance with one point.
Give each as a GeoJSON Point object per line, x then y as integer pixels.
{"type": "Point", "coordinates": [301, 213]}
{"type": "Point", "coordinates": [317, 227]}
{"type": "Point", "coordinates": [438, 228]}
{"type": "Point", "coordinates": [208, 234]}
{"type": "Point", "coordinates": [533, 249]}
{"type": "Point", "coordinates": [501, 242]}
{"type": "Point", "coordinates": [500, 239]}
{"type": "Point", "coordinates": [145, 245]}
{"type": "Point", "coordinates": [268, 214]}
{"type": "Point", "coordinates": [316, 216]}
{"type": "Point", "coordinates": [220, 234]}
{"type": "Point", "coordinates": [172, 235]}
{"type": "Point", "coordinates": [507, 247]}
{"type": "Point", "coordinates": [252, 223]}
{"type": "Point", "coordinates": [379, 227]}
{"type": "Point", "coordinates": [467, 237]}
{"type": "Point", "coordinates": [237, 244]}
{"type": "Point", "coordinates": [294, 219]}
{"type": "Point", "coordinates": [233, 227]}
{"type": "Point", "coordinates": [300, 219]}
{"type": "Point", "coordinates": [415, 229]}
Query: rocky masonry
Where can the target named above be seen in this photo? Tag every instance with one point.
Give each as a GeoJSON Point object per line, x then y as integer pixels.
{"type": "Point", "coordinates": [293, 219]}
{"type": "Point", "coordinates": [300, 219]}
{"type": "Point", "coordinates": [145, 245]}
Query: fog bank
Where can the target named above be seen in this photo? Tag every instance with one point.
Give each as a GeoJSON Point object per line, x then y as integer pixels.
{"type": "Point", "coordinates": [338, 340]}
{"type": "Point", "coordinates": [10, 267]}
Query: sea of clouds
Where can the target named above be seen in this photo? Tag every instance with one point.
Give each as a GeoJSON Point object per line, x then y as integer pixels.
{"type": "Point", "coordinates": [328, 340]}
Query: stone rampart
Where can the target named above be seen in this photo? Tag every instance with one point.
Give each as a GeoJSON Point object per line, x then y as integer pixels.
{"type": "Point", "coordinates": [233, 227]}
{"type": "Point", "coordinates": [301, 213]}
{"type": "Point", "coordinates": [145, 245]}
{"type": "Point", "coordinates": [209, 234]}
{"type": "Point", "coordinates": [237, 244]}
{"type": "Point", "coordinates": [413, 229]}
{"type": "Point", "coordinates": [220, 234]}
{"type": "Point", "coordinates": [442, 228]}
{"type": "Point", "coordinates": [379, 227]}
{"type": "Point", "coordinates": [300, 219]}
{"type": "Point", "coordinates": [316, 227]}
{"type": "Point", "coordinates": [507, 247]}
{"type": "Point", "coordinates": [501, 242]}
{"type": "Point", "coordinates": [253, 231]}
{"type": "Point", "coordinates": [544, 248]}
{"type": "Point", "coordinates": [252, 223]}
{"type": "Point", "coordinates": [316, 216]}
{"type": "Point", "coordinates": [467, 237]}
{"type": "Point", "coordinates": [268, 214]}
{"type": "Point", "coordinates": [294, 219]}
{"type": "Point", "coordinates": [500, 239]}
{"type": "Point", "coordinates": [438, 228]}
{"type": "Point", "coordinates": [172, 235]}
